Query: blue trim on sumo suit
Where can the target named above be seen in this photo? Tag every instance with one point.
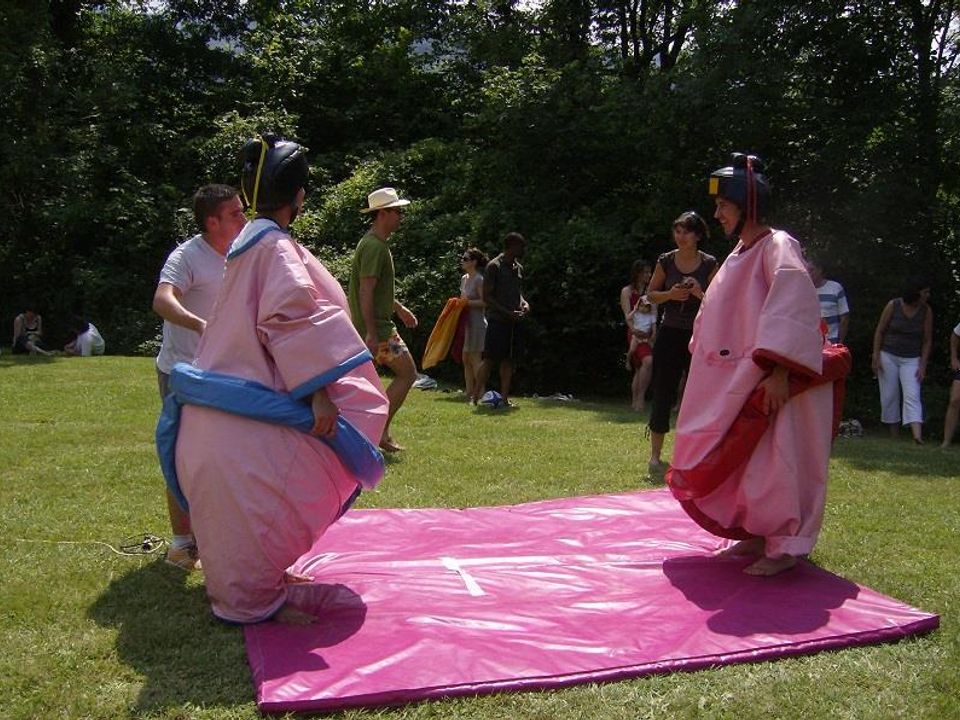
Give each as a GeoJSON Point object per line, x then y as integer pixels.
{"type": "Point", "coordinates": [242, 247]}
{"type": "Point", "coordinates": [192, 386]}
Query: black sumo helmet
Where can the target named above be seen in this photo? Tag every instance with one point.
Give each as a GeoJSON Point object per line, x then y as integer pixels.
{"type": "Point", "coordinates": [273, 172]}
{"type": "Point", "coordinates": [744, 184]}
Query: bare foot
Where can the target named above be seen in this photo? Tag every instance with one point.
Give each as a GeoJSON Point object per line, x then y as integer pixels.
{"type": "Point", "coordinates": [387, 444]}
{"type": "Point", "coordinates": [289, 615]}
{"type": "Point", "coordinates": [767, 566]}
{"type": "Point", "coordinates": [744, 548]}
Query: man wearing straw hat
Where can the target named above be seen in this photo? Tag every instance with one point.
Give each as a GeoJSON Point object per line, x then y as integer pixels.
{"type": "Point", "coordinates": [373, 301]}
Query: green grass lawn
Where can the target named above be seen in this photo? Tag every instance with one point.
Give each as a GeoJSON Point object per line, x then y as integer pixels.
{"type": "Point", "coordinates": [86, 633]}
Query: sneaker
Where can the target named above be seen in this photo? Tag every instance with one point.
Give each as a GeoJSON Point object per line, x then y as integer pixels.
{"type": "Point", "coordinates": [186, 558]}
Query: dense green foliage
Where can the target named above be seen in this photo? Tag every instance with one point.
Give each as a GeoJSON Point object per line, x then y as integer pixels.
{"type": "Point", "coordinates": [588, 125]}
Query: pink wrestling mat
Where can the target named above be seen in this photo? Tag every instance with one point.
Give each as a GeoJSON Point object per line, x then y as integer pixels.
{"type": "Point", "coordinates": [424, 604]}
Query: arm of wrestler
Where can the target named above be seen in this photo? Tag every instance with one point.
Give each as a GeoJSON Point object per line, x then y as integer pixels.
{"type": "Point", "coordinates": [16, 329]}
{"type": "Point", "coordinates": [776, 389]}
{"type": "Point", "coordinates": [167, 303]}
{"type": "Point", "coordinates": [324, 414]}
{"type": "Point", "coordinates": [370, 339]}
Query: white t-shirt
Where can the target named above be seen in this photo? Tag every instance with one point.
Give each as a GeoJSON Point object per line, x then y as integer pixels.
{"type": "Point", "coordinates": [90, 342]}
{"type": "Point", "coordinates": [833, 304]}
{"type": "Point", "coordinates": [956, 330]}
{"type": "Point", "coordinates": [196, 270]}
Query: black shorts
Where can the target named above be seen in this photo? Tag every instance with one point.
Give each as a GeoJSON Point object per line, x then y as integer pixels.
{"type": "Point", "coordinates": [503, 341]}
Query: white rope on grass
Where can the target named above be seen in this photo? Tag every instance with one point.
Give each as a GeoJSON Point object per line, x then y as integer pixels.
{"type": "Point", "coordinates": [146, 544]}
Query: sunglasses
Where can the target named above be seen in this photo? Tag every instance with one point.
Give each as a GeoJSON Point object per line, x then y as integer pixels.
{"type": "Point", "coordinates": [466, 258]}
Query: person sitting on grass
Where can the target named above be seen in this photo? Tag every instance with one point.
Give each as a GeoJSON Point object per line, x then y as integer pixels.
{"type": "Point", "coordinates": [27, 334]}
{"type": "Point", "coordinates": [87, 339]}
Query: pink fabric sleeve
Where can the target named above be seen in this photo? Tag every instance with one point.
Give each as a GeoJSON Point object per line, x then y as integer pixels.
{"type": "Point", "coordinates": [789, 328]}
{"type": "Point", "coordinates": [304, 323]}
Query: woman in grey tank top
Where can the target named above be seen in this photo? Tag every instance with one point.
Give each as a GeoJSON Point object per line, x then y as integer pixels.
{"type": "Point", "coordinates": [901, 348]}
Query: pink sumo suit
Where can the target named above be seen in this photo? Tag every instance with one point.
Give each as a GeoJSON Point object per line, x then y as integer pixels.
{"type": "Point", "coordinates": [760, 307]}
{"type": "Point", "coordinates": [261, 494]}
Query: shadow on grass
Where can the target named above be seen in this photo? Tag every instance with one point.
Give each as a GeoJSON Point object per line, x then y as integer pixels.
{"type": "Point", "coordinates": [9, 360]}
{"type": "Point", "coordinates": [899, 457]}
{"type": "Point", "coordinates": [166, 633]}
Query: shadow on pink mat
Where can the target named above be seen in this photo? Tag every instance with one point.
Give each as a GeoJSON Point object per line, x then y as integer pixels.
{"type": "Point", "coordinates": [796, 602]}
{"type": "Point", "coordinates": [539, 596]}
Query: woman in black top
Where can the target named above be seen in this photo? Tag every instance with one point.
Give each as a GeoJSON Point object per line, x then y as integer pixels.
{"type": "Point", "coordinates": [678, 283]}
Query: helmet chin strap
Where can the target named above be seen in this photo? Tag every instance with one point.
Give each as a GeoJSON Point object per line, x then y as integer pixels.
{"type": "Point", "coordinates": [735, 235]}
{"type": "Point", "coordinates": [750, 211]}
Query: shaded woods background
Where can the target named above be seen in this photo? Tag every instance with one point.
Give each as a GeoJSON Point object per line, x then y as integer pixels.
{"type": "Point", "coordinates": [586, 125]}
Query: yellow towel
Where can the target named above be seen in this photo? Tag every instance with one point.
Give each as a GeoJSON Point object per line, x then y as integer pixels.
{"type": "Point", "coordinates": [438, 344]}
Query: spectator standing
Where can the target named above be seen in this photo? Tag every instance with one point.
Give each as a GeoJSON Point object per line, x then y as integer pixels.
{"type": "Point", "coordinates": [506, 311]}
{"type": "Point", "coordinates": [185, 295]}
{"type": "Point", "coordinates": [473, 262]}
{"type": "Point", "coordinates": [640, 316]}
{"type": "Point", "coordinates": [901, 349]}
{"type": "Point", "coordinates": [833, 302]}
{"type": "Point", "coordinates": [373, 301]}
{"type": "Point", "coordinates": [679, 281]}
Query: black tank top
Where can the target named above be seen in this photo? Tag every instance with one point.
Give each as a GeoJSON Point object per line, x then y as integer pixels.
{"type": "Point", "coordinates": [681, 314]}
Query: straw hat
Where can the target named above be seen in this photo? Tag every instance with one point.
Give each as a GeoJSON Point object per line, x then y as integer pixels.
{"type": "Point", "coordinates": [383, 198]}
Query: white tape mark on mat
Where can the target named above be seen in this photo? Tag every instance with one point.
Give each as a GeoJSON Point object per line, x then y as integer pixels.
{"type": "Point", "coordinates": [472, 586]}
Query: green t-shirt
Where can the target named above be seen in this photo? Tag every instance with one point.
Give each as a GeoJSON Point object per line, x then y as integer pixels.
{"type": "Point", "coordinates": [373, 258]}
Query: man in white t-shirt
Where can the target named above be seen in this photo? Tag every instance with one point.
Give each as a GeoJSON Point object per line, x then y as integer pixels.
{"type": "Point", "coordinates": [188, 288]}
{"type": "Point", "coordinates": [833, 302]}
